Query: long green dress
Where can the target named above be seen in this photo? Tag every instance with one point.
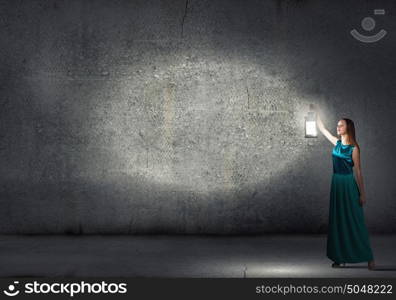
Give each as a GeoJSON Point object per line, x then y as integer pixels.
{"type": "Point", "coordinates": [348, 238]}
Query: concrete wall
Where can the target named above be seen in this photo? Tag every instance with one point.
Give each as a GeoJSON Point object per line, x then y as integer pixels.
{"type": "Point", "coordinates": [188, 116]}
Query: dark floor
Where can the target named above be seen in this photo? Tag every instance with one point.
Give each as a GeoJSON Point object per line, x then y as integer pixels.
{"type": "Point", "coordinates": [184, 256]}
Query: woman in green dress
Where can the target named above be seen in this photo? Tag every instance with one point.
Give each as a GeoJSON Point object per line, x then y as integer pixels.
{"type": "Point", "coordinates": [348, 238]}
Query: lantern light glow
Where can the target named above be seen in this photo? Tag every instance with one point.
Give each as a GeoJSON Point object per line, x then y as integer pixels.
{"type": "Point", "coordinates": [311, 128]}
{"type": "Point", "coordinates": [310, 124]}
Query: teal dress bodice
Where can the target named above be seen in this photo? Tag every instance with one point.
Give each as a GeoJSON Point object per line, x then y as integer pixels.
{"type": "Point", "coordinates": [342, 158]}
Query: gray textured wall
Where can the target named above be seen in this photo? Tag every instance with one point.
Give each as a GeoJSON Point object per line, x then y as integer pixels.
{"type": "Point", "coordinates": [188, 116]}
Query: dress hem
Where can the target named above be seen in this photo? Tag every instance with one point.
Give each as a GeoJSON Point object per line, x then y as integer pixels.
{"type": "Point", "coordinates": [350, 261]}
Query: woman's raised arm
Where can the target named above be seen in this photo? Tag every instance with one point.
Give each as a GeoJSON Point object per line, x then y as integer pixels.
{"type": "Point", "coordinates": [325, 132]}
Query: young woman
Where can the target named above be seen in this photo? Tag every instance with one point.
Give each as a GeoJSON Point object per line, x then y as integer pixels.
{"type": "Point", "coordinates": [348, 238]}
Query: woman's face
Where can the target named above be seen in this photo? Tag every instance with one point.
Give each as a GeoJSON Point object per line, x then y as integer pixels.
{"type": "Point", "coordinates": [341, 127]}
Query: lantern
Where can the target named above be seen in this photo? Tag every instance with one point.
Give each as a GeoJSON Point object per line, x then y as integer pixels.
{"type": "Point", "coordinates": [310, 124]}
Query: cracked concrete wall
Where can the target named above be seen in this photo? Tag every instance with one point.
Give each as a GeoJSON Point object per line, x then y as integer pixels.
{"type": "Point", "coordinates": [188, 116]}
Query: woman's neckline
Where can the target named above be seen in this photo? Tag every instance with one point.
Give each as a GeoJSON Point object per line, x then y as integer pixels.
{"type": "Point", "coordinates": [345, 144]}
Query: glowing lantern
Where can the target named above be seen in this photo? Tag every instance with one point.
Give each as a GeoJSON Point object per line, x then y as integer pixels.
{"type": "Point", "coordinates": [310, 123]}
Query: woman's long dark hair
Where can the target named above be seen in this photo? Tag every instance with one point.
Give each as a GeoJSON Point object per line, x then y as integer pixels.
{"type": "Point", "coordinates": [350, 129]}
